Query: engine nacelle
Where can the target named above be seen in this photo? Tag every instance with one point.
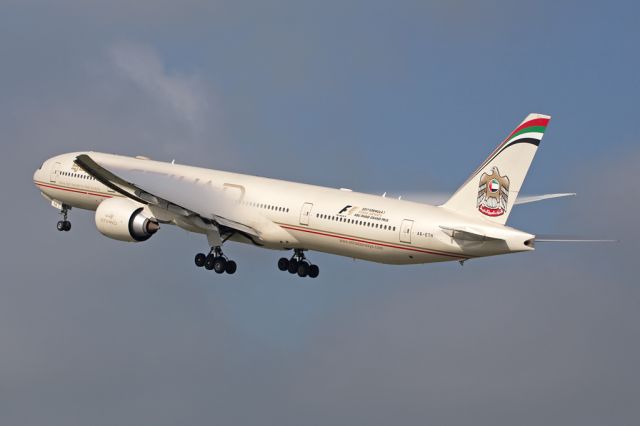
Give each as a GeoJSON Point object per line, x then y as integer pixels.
{"type": "Point", "coordinates": [125, 220]}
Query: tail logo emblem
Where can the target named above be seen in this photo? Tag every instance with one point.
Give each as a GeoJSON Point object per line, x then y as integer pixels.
{"type": "Point", "coordinates": [493, 193]}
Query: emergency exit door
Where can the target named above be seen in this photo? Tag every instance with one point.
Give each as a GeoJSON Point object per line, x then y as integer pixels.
{"type": "Point", "coordinates": [405, 231]}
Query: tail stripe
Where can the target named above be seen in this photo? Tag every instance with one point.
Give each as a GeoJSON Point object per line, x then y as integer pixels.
{"type": "Point", "coordinates": [528, 132]}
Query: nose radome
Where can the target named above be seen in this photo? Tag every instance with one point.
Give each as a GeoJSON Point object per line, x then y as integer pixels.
{"type": "Point", "coordinates": [39, 173]}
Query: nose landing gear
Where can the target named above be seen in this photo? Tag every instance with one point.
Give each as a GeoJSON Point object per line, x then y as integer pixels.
{"type": "Point", "coordinates": [64, 224]}
{"type": "Point", "coordinates": [216, 261]}
{"type": "Point", "coordinates": [298, 264]}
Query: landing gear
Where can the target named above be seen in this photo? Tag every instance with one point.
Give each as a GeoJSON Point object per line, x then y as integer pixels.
{"type": "Point", "coordinates": [64, 224]}
{"type": "Point", "coordinates": [298, 264]}
{"type": "Point", "coordinates": [216, 261]}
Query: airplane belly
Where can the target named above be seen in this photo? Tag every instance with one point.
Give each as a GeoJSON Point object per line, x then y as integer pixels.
{"type": "Point", "coordinates": [365, 249]}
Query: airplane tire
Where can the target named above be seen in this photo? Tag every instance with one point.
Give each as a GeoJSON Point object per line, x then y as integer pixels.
{"type": "Point", "coordinates": [314, 271]}
{"type": "Point", "coordinates": [283, 264]}
{"type": "Point", "coordinates": [231, 267]}
{"type": "Point", "coordinates": [60, 226]}
{"type": "Point", "coordinates": [303, 269]}
{"type": "Point", "coordinates": [219, 265]}
{"type": "Point", "coordinates": [293, 266]}
{"type": "Point", "coordinates": [200, 260]}
{"type": "Point", "coordinates": [208, 264]}
{"type": "Point", "coordinates": [67, 226]}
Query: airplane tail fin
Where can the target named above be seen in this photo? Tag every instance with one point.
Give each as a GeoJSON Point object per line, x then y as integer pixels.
{"type": "Point", "coordinates": [492, 189]}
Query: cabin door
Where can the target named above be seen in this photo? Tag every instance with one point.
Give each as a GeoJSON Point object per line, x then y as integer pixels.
{"type": "Point", "coordinates": [55, 170]}
{"type": "Point", "coordinates": [305, 212]}
{"type": "Point", "coordinates": [405, 231]}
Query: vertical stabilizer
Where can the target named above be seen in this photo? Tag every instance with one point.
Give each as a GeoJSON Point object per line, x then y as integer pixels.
{"type": "Point", "coordinates": [491, 190]}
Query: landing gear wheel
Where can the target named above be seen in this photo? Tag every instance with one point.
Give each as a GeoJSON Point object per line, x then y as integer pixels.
{"type": "Point", "coordinates": [67, 225]}
{"type": "Point", "coordinates": [200, 259]}
{"type": "Point", "coordinates": [60, 226]}
{"type": "Point", "coordinates": [283, 264]}
{"type": "Point", "coordinates": [303, 269]}
{"type": "Point", "coordinates": [219, 265]}
{"type": "Point", "coordinates": [231, 267]}
{"type": "Point", "coordinates": [314, 271]}
{"type": "Point", "coordinates": [208, 263]}
{"type": "Point", "coordinates": [293, 266]}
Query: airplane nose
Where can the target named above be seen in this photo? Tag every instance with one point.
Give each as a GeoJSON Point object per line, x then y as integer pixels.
{"type": "Point", "coordinates": [37, 175]}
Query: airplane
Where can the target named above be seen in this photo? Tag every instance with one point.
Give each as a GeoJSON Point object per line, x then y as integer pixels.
{"type": "Point", "coordinates": [133, 196]}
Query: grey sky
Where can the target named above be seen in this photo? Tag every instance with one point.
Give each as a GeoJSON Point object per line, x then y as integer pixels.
{"type": "Point", "coordinates": [404, 97]}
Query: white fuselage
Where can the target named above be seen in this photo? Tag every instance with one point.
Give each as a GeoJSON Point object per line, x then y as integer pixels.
{"type": "Point", "coordinates": [336, 221]}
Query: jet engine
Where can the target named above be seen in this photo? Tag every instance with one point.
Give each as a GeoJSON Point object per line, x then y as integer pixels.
{"type": "Point", "coordinates": [125, 220]}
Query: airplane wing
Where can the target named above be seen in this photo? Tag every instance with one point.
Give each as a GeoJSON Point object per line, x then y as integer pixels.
{"type": "Point", "coordinates": [179, 196]}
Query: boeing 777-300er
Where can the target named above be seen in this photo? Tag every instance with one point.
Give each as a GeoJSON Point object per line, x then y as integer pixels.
{"type": "Point", "coordinates": [133, 196]}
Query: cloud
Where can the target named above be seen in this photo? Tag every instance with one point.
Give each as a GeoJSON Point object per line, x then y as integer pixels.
{"type": "Point", "coordinates": [182, 94]}
{"type": "Point", "coordinates": [122, 98]}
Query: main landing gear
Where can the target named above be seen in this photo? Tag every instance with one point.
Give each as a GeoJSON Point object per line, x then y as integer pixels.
{"type": "Point", "coordinates": [64, 224]}
{"type": "Point", "coordinates": [216, 261]}
{"type": "Point", "coordinates": [298, 264]}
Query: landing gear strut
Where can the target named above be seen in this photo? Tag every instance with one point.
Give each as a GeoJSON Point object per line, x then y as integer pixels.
{"type": "Point", "coordinates": [216, 261]}
{"type": "Point", "coordinates": [298, 264]}
{"type": "Point", "coordinates": [64, 224]}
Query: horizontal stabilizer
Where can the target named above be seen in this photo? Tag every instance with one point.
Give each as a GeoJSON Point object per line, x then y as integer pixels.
{"type": "Point", "coordinates": [533, 198]}
{"type": "Point", "coordinates": [467, 235]}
